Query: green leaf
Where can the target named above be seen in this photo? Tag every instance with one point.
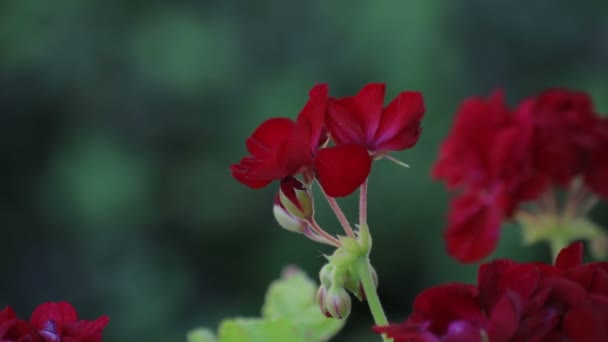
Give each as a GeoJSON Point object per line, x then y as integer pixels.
{"type": "Point", "coordinates": [201, 335]}
{"type": "Point", "coordinates": [293, 297]}
{"type": "Point", "coordinates": [258, 330]}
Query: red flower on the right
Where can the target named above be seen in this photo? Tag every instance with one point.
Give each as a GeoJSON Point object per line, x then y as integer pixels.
{"type": "Point", "coordinates": [515, 302]}
{"type": "Point", "coordinates": [496, 159]}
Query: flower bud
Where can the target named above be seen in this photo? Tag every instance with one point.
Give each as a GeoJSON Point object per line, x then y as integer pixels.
{"type": "Point", "coordinates": [337, 302]}
{"type": "Point", "coordinates": [321, 294]}
{"type": "Point", "coordinates": [325, 274]}
{"type": "Point", "coordinates": [295, 198]}
{"type": "Point", "coordinates": [286, 220]}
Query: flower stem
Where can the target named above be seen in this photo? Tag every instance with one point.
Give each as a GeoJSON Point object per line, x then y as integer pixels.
{"type": "Point", "coordinates": [322, 233]}
{"type": "Point", "coordinates": [340, 215]}
{"type": "Point", "coordinates": [363, 203]}
{"type": "Point", "coordinates": [364, 270]}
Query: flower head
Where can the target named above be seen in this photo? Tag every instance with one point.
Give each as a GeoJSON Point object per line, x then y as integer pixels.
{"type": "Point", "coordinates": [514, 301]}
{"type": "Point", "coordinates": [280, 148]}
{"type": "Point", "coordinates": [51, 322]}
{"type": "Point", "coordinates": [362, 120]}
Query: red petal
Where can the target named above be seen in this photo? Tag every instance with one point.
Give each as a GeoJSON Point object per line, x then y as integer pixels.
{"type": "Point", "coordinates": [87, 331]}
{"type": "Point", "coordinates": [504, 318]}
{"type": "Point", "coordinates": [342, 169]}
{"type": "Point", "coordinates": [368, 103]}
{"type": "Point", "coordinates": [241, 172]}
{"type": "Point", "coordinates": [587, 322]}
{"type": "Point", "coordinates": [570, 256]}
{"type": "Point", "coordinates": [474, 228]}
{"type": "Point", "coordinates": [61, 313]}
{"type": "Point", "coordinates": [312, 117]}
{"type": "Point", "coordinates": [444, 304]}
{"type": "Point", "coordinates": [597, 170]}
{"type": "Point", "coordinates": [399, 127]}
{"type": "Point", "coordinates": [7, 315]}
{"type": "Point", "coordinates": [268, 135]}
{"type": "Point", "coordinates": [342, 123]}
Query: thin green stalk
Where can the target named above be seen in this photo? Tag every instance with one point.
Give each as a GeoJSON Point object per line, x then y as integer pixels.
{"type": "Point", "coordinates": [364, 270]}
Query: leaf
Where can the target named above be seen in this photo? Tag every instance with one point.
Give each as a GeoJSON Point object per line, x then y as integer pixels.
{"type": "Point", "coordinates": [258, 330]}
{"type": "Point", "coordinates": [201, 335]}
{"type": "Point", "coordinates": [293, 298]}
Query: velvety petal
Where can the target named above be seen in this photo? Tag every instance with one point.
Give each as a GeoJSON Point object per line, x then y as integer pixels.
{"type": "Point", "coordinates": [368, 105]}
{"type": "Point", "coordinates": [473, 228]}
{"type": "Point", "coordinates": [587, 322]}
{"type": "Point", "coordinates": [86, 331]}
{"type": "Point", "coordinates": [7, 315]}
{"type": "Point", "coordinates": [342, 169]}
{"type": "Point", "coordinates": [407, 332]}
{"type": "Point", "coordinates": [268, 135]}
{"type": "Point", "coordinates": [499, 277]}
{"type": "Point", "coordinates": [60, 312]}
{"type": "Point", "coordinates": [570, 256]}
{"type": "Point", "coordinates": [312, 117]}
{"type": "Point", "coordinates": [241, 172]}
{"type": "Point", "coordinates": [505, 317]}
{"type": "Point", "coordinates": [342, 124]}
{"type": "Point", "coordinates": [596, 171]}
{"type": "Point", "coordinates": [443, 304]}
{"type": "Point", "coordinates": [462, 331]}
{"type": "Point", "coordinates": [599, 282]}
{"type": "Point", "coordinates": [399, 127]}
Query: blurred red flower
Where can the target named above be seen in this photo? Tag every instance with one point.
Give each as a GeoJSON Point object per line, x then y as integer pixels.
{"type": "Point", "coordinates": [513, 302]}
{"type": "Point", "coordinates": [50, 322]}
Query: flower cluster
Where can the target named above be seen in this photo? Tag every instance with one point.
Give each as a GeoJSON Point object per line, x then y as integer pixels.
{"type": "Point", "coordinates": [498, 158]}
{"type": "Point", "coordinates": [361, 128]}
{"type": "Point", "coordinates": [50, 322]}
{"type": "Point", "coordinates": [514, 301]}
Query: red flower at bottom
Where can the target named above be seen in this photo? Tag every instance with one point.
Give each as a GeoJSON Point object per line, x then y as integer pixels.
{"type": "Point", "coordinates": [50, 322]}
{"type": "Point", "coordinates": [515, 302]}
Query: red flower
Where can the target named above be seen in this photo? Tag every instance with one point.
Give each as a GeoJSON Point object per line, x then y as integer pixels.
{"type": "Point", "coordinates": [281, 148]}
{"type": "Point", "coordinates": [597, 166]}
{"type": "Point", "coordinates": [486, 159]}
{"type": "Point", "coordinates": [515, 302]}
{"type": "Point", "coordinates": [50, 322]}
{"type": "Point", "coordinates": [362, 120]}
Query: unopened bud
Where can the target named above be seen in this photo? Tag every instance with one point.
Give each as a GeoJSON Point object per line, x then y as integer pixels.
{"type": "Point", "coordinates": [286, 220]}
{"type": "Point", "coordinates": [321, 294]}
{"type": "Point", "coordinates": [337, 302]}
{"type": "Point", "coordinates": [325, 274]}
{"type": "Point", "coordinates": [295, 198]}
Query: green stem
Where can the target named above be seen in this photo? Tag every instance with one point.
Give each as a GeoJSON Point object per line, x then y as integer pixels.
{"type": "Point", "coordinates": [364, 270]}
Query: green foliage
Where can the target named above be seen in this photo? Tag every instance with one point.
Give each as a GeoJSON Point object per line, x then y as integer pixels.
{"type": "Point", "coordinates": [289, 313]}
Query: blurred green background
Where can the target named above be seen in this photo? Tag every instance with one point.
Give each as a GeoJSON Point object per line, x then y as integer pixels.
{"type": "Point", "coordinates": [119, 120]}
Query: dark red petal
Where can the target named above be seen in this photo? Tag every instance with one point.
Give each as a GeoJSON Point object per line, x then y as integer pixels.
{"type": "Point", "coordinates": [444, 304]}
{"type": "Point", "coordinates": [342, 169]}
{"type": "Point", "coordinates": [368, 103]}
{"type": "Point", "coordinates": [7, 315]}
{"type": "Point", "coordinates": [87, 331]}
{"type": "Point", "coordinates": [312, 117]}
{"type": "Point", "coordinates": [473, 228]}
{"type": "Point", "coordinates": [268, 135]}
{"type": "Point", "coordinates": [399, 127]}
{"type": "Point", "coordinates": [61, 313]}
{"type": "Point", "coordinates": [597, 170]}
{"type": "Point", "coordinates": [502, 276]}
{"type": "Point", "coordinates": [587, 322]}
{"type": "Point", "coordinates": [242, 173]}
{"type": "Point", "coordinates": [504, 318]}
{"type": "Point", "coordinates": [342, 123]}
{"type": "Point", "coordinates": [570, 256]}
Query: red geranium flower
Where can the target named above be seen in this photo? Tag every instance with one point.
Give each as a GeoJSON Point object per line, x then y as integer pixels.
{"type": "Point", "coordinates": [50, 322]}
{"type": "Point", "coordinates": [280, 148]}
{"type": "Point", "coordinates": [496, 159]}
{"type": "Point", "coordinates": [362, 120]}
{"type": "Point", "coordinates": [515, 302]}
